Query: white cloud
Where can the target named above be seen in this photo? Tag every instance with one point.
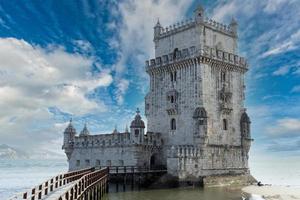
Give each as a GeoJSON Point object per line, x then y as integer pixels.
{"type": "Point", "coordinates": [33, 78]}
{"type": "Point", "coordinates": [287, 45]}
{"type": "Point", "coordinates": [283, 70]}
{"type": "Point", "coordinates": [273, 5]}
{"type": "Point", "coordinates": [122, 88]}
{"type": "Point", "coordinates": [223, 11]}
{"type": "Point", "coordinates": [285, 127]}
{"type": "Point", "coordinates": [296, 89]}
{"type": "Point", "coordinates": [83, 45]}
{"type": "Point", "coordinates": [135, 35]}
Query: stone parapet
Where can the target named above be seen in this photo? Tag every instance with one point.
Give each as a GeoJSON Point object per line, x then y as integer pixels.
{"type": "Point", "coordinates": [190, 53]}
{"type": "Point", "coordinates": [190, 23]}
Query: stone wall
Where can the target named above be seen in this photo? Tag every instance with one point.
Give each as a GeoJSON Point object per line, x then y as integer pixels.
{"type": "Point", "coordinates": [190, 162]}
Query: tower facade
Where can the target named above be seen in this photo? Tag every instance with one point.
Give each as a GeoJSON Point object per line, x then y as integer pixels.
{"type": "Point", "coordinates": [196, 97]}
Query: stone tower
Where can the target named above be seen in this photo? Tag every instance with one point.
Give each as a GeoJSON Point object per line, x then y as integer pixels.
{"type": "Point", "coordinates": [196, 97]}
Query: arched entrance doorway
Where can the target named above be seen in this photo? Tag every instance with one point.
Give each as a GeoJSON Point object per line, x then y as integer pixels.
{"type": "Point", "coordinates": [154, 162]}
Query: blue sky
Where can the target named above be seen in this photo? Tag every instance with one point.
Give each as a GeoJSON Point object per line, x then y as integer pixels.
{"type": "Point", "coordinates": [85, 60]}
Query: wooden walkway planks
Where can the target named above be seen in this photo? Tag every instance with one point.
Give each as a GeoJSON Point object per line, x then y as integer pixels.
{"type": "Point", "coordinates": [58, 192]}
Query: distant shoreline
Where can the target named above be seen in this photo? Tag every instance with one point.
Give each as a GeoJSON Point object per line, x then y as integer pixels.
{"type": "Point", "coordinates": [272, 192]}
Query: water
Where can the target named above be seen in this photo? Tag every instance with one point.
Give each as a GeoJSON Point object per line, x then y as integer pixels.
{"type": "Point", "coordinates": [178, 193]}
{"type": "Point", "coordinates": [18, 175]}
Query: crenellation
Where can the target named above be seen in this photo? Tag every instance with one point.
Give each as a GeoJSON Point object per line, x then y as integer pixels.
{"type": "Point", "coordinates": [189, 53]}
{"type": "Point", "coordinates": [191, 23]}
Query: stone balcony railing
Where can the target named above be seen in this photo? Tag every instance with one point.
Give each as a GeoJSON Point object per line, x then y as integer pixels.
{"type": "Point", "coordinates": [189, 53]}
{"type": "Point", "coordinates": [184, 151]}
{"type": "Point", "coordinates": [172, 108]}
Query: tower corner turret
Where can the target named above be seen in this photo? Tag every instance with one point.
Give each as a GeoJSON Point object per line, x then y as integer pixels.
{"type": "Point", "coordinates": [69, 135]}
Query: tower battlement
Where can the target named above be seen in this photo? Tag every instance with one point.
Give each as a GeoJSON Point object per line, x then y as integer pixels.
{"type": "Point", "coordinates": [190, 53]}
{"type": "Point", "coordinates": [199, 33]}
{"type": "Point", "coordinates": [189, 23]}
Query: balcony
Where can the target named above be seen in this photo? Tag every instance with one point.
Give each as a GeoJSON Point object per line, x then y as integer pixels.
{"type": "Point", "coordinates": [172, 108]}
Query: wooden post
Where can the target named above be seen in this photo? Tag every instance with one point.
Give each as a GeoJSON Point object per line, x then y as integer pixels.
{"type": "Point", "coordinates": [25, 195]}
{"type": "Point", "coordinates": [91, 195]}
{"type": "Point", "coordinates": [124, 183]}
{"type": "Point", "coordinates": [67, 196]}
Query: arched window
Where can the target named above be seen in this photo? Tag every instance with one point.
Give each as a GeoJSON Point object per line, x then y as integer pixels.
{"type": "Point", "coordinates": [136, 132]}
{"type": "Point", "coordinates": [223, 77]}
{"type": "Point", "coordinates": [225, 124]}
{"type": "Point", "coordinates": [201, 122]}
{"type": "Point", "coordinates": [173, 124]}
{"type": "Point", "coordinates": [172, 99]}
{"type": "Point", "coordinates": [175, 74]}
{"type": "Point", "coordinates": [175, 53]}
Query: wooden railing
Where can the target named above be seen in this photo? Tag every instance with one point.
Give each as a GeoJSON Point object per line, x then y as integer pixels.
{"type": "Point", "coordinates": [134, 169]}
{"type": "Point", "coordinates": [87, 184]}
{"type": "Point", "coordinates": [89, 187]}
{"type": "Point", "coordinates": [52, 184]}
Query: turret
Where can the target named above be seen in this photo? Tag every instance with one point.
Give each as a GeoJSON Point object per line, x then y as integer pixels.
{"type": "Point", "coordinates": [245, 135]}
{"type": "Point", "coordinates": [157, 30]}
{"type": "Point", "coordinates": [137, 129]}
{"type": "Point", "coordinates": [69, 135]}
{"type": "Point", "coordinates": [115, 131]}
{"type": "Point", "coordinates": [85, 131]}
{"type": "Point", "coordinates": [233, 26]}
{"type": "Point", "coordinates": [199, 14]}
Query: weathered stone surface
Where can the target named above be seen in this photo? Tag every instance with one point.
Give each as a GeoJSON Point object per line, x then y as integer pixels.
{"type": "Point", "coordinates": [228, 180]}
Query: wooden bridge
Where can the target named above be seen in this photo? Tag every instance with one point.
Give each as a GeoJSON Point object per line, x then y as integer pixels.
{"type": "Point", "coordinates": [86, 184]}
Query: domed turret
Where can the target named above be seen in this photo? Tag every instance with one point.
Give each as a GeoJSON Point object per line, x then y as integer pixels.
{"type": "Point", "coordinates": [69, 135]}
{"type": "Point", "coordinates": [126, 129]}
{"type": "Point", "coordinates": [157, 30]}
{"type": "Point", "coordinates": [70, 129]}
{"type": "Point", "coordinates": [233, 26]}
{"type": "Point", "coordinates": [137, 122]}
{"type": "Point", "coordinates": [84, 131]}
{"type": "Point", "coordinates": [199, 14]}
{"type": "Point", "coordinates": [137, 129]}
{"type": "Point", "coordinates": [115, 131]}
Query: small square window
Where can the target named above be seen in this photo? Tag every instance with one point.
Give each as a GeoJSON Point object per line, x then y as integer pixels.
{"type": "Point", "coordinates": [87, 162]}
{"type": "Point", "coordinates": [98, 163]}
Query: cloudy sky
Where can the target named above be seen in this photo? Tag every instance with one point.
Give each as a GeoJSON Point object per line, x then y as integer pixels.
{"type": "Point", "coordinates": [85, 60]}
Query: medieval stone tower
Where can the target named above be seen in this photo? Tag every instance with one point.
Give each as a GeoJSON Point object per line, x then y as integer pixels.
{"type": "Point", "coordinates": [196, 97]}
{"type": "Point", "coordinates": [197, 122]}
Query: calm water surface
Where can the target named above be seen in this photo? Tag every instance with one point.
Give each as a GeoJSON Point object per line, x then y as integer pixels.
{"type": "Point", "coordinates": [19, 175]}
{"type": "Point", "coordinates": [180, 193]}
